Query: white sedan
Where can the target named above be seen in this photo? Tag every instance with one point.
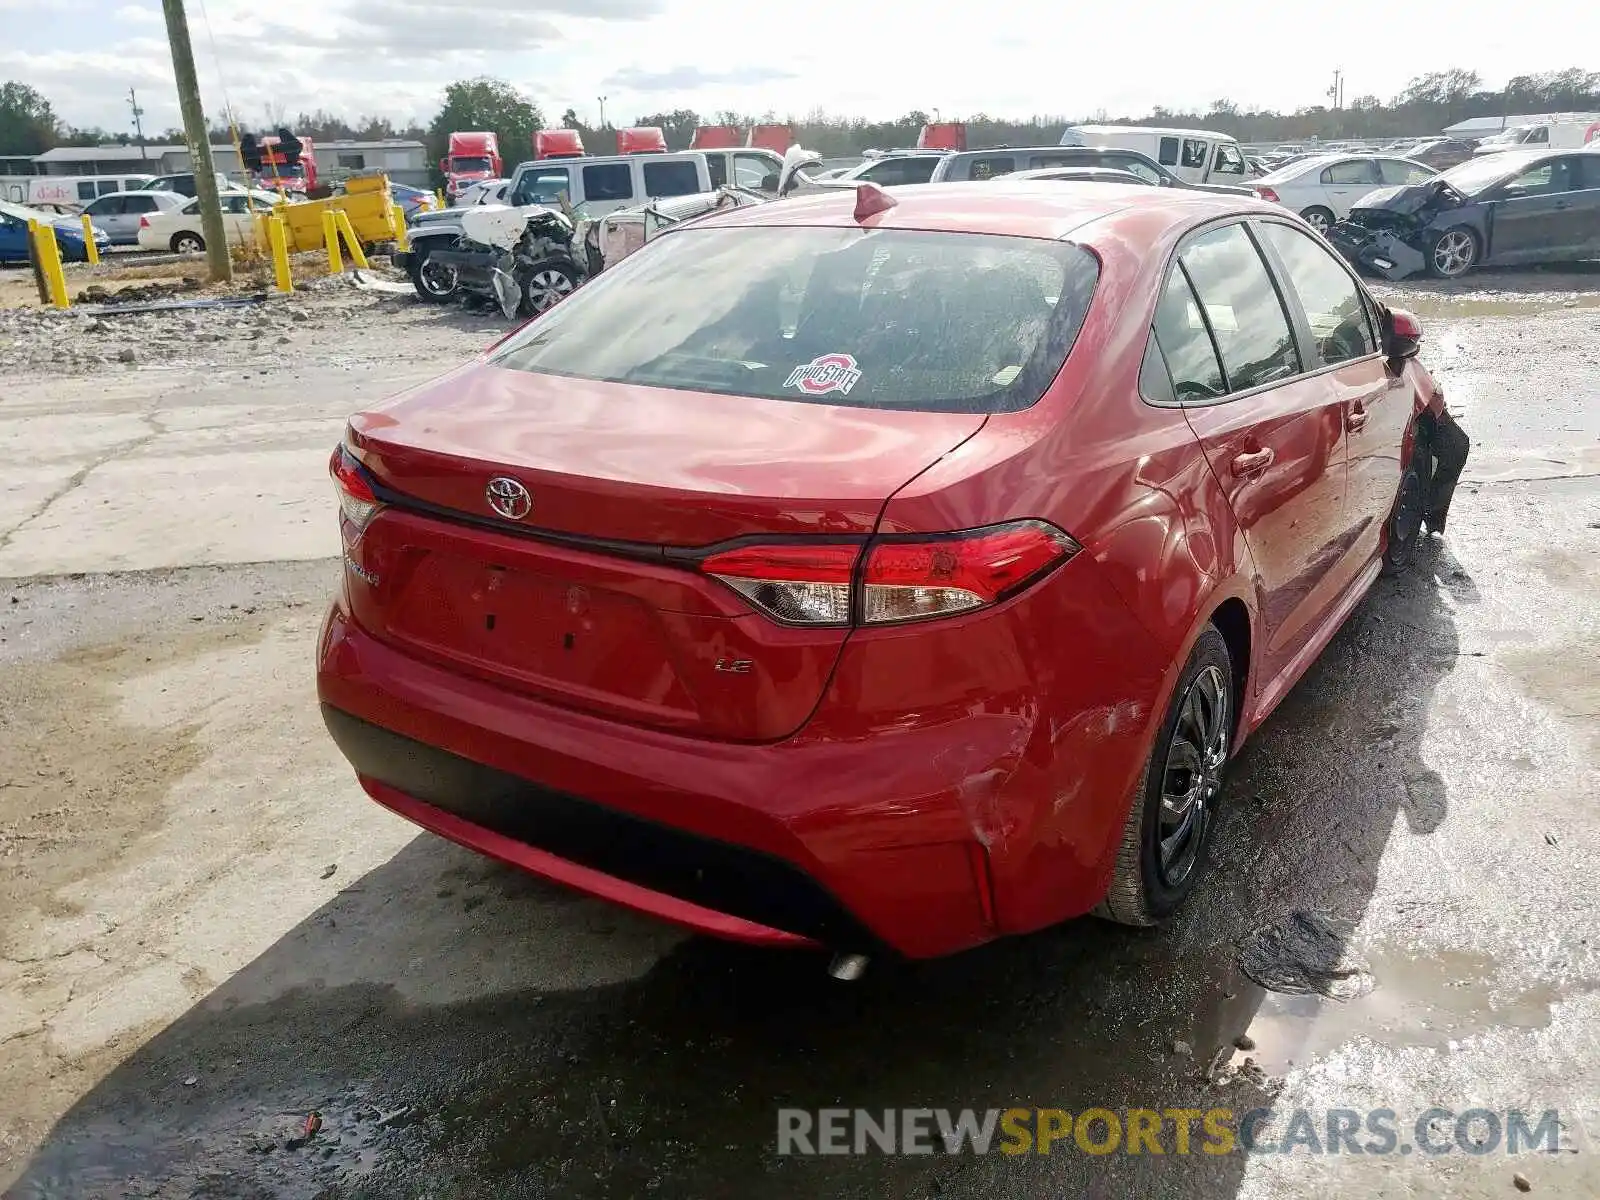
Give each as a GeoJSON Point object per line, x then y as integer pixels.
{"type": "Point", "coordinates": [180, 230]}
{"type": "Point", "coordinates": [1324, 188]}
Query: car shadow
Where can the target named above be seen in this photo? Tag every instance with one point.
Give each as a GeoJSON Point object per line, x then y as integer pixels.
{"type": "Point", "coordinates": [441, 1015]}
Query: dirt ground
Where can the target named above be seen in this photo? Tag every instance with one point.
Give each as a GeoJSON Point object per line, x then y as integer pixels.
{"type": "Point", "coordinates": [207, 933]}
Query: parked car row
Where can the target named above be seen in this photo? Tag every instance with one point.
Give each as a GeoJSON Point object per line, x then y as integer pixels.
{"type": "Point", "coordinates": [14, 221]}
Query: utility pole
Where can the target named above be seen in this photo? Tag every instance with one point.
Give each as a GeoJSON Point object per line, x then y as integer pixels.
{"type": "Point", "coordinates": [1336, 92]}
{"type": "Point", "coordinates": [138, 124]}
{"type": "Point", "coordinates": [194, 128]}
{"type": "Point", "coordinates": [602, 100]}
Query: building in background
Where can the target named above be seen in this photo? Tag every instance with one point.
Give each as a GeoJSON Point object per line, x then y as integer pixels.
{"type": "Point", "coordinates": [404, 161]}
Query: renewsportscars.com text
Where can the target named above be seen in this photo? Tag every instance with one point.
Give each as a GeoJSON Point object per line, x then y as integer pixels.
{"type": "Point", "coordinates": [1379, 1131]}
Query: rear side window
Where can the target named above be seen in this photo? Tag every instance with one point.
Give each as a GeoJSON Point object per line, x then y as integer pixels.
{"type": "Point", "coordinates": [1194, 153]}
{"type": "Point", "coordinates": [1167, 152]}
{"type": "Point", "coordinates": [912, 319]}
{"type": "Point", "coordinates": [1186, 345]}
{"type": "Point", "coordinates": [608, 181]}
{"type": "Point", "coordinates": [891, 171]}
{"type": "Point", "coordinates": [670, 179]}
{"type": "Point", "coordinates": [993, 165]}
{"type": "Point", "coordinates": [1331, 299]}
{"type": "Point", "coordinates": [86, 191]}
{"type": "Point", "coordinates": [1241, 306]}
{"type": "Point", "coordinates": [1357, 170]}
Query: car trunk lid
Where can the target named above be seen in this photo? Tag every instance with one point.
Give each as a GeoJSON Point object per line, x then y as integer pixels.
{"type": "Point", "coordinates": [584, 599]}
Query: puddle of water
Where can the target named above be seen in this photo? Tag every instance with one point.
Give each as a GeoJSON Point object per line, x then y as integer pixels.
{"type": "Point", "coordinates": [1481, 304]}
{"type": "Point", "coordinates": [1435, 1001]}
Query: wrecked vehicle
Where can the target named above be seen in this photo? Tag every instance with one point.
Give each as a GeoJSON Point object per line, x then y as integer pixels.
{"type": "Point", "coordinates": [810, 583]}
{"type": "Point", "coordinates": [523, 259]}
{"type": "Point", "coordinates": [1514, 208]}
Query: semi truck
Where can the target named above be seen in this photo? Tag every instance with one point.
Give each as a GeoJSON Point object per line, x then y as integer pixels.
{"type": "Point", "coordinates": [473, 157]}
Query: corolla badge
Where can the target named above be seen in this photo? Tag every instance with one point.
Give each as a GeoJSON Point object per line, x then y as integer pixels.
{"type": "Point", "coordinates": [508, 497]}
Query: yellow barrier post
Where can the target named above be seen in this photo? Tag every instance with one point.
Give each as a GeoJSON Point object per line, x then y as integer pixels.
{"type": "Point", "coordinates": [439, 195]}
{"type": "Point", "coordinates": [280, 253]}
{"type": "Point", "coordinates": [401, 242]}
{"type": "Point", "coordinates": [89, 248]}
{"type": "Point", "coordinates": [330, 234]}
{"type": "Point", "coordinates": [350, 238]}
{"type": "Point", "coordinates": [49, 252]}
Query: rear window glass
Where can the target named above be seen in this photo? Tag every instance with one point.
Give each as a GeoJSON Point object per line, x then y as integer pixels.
{"type": "Point", "coordinates": [946, 322]}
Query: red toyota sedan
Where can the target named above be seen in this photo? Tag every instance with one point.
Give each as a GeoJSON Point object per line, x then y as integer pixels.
{"type": "Point", "coordinates": [876, 571]}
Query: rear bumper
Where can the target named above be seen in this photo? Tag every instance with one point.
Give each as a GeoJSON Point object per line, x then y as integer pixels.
{"type": "Point", "coordinates": [793, 843]}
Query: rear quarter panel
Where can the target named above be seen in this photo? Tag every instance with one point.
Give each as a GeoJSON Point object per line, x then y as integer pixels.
{"type": "Point", "coordinates": [1128, 480]}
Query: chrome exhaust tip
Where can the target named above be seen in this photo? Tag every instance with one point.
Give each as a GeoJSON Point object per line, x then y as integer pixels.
{"type": "Point", "coordinates": [848, 967]}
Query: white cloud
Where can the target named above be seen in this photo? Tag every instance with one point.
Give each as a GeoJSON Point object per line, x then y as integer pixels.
{"type": "Point", "coordinates": [1011, 57]}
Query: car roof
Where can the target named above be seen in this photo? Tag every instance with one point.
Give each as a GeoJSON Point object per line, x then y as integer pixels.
{"type": "Point", "coordinates": [1158, 130]}
{"type": "Point", "coordinates": [143, 192]}
{"type": "Point", "coordinates": [1082, 172]}
{"type": "Point", "coordinates": [1025, 208]}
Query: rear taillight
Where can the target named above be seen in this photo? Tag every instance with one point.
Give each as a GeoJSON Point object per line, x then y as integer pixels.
{"type": "Point", "coordinates": [903, 578]}
{"type": "Point", "coordinates": [358, 504]}
{"type": "Point", "coordinates": [1267, 193]}
{"type": "Point", "coordinates": [144, 222]}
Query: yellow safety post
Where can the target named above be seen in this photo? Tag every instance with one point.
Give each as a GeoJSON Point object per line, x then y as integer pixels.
{"type": "Point", "coordinates": [330, 234]}
{"type": "Point", "coordinates": [49, 252]}
{"type": "Point", "coordinates": [439, 195]}
{"type": "Point", "coordinates": [279, 246]}
{"type": "Point", "coordinates": [89, 247]}
{"type": "Point", "coordinates": [350, 238]}
{"type": "Point", "coordinates": [401, 242]}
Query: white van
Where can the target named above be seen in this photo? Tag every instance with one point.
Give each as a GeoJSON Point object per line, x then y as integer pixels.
{"type": "Point", "coordinates": [75, 191]}
{"type": "Point", "coordinates": [603, 184]}
{"type": "Point", "coordinates": [1572, 131]}
{"type": "Point", "coordinates": [1193, 155]}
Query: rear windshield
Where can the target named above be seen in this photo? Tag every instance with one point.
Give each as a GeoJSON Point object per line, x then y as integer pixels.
{"type": "Point", "coordinates": [944, 322]}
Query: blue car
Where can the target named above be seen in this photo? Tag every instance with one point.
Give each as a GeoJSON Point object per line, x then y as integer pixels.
{"type": "Point", "coordinates": [410, 199]}
{"type": "Point", "coordinates": [14, 220]}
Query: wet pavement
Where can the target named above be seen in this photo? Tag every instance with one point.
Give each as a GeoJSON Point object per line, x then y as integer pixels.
{"type": "Point", "coordinates": [1405, 860]}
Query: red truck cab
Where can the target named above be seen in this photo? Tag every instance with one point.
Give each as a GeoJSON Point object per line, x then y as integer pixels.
{"type": "Point", "coordinates": [473, 158]}
{"type": "Point", "coordinates": [776, 138]}
{"type": "Point", "coordinates": [277, 174]}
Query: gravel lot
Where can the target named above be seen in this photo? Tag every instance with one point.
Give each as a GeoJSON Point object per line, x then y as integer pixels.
{"type": "Point", "coordinates": [208, 933]}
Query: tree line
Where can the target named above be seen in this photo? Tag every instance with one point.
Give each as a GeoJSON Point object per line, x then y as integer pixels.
{"type": "Point", "coordinates": [29, 124]}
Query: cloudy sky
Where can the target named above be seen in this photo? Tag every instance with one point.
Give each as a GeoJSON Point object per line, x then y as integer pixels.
{"type": "Point", "coordinates": [1004, 57]}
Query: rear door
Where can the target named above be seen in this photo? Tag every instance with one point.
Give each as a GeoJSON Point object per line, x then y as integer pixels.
{"type": "Point", "coordinates": [1272, 433]}
{"type": "Point", "coordinates": [1343, 183]}
{"type": "Point", "coordinates": [1586, 204]}
{"type": "Point", "coordinates": [107, 213]}
{"type": "Point", "coordinates": [1534, 216]}
{"type": "Point", "coordinates": [1340, 339]}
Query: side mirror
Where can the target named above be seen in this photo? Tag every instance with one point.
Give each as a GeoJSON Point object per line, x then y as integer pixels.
{"type": "Point", "coordinates": [1402, 334]}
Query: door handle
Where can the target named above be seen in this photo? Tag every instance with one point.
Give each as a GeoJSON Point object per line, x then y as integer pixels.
{"type": "Point", "coordinates": [1356, 420]}
{"type": "Point", "coordinates": [1253, 461]}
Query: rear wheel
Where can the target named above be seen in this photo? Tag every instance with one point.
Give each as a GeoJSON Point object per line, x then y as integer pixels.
{"type": "Point", "coordinates": [1319, 218]}
{"type": "Point", "coordinates": [1167, 835]}
{"type": "Point", "coordinates": [1453, 253]}
{"type": "Point", "coordinates": [187, 243]}
{"type": "Point", "coordinates": [1404, 530]}
{"type": "Point", "coordinates": [435, 282]}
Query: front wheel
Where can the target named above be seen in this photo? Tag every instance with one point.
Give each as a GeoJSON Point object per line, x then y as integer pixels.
{"type": "Point", "coordinates": [436, 283]}
{"type": "Point", "coordinates": [1167, 835]}
{"type": "Point", "coordinates": [1319, 218]}
{"type": "Point", "coordinates": [548, 283]}
{"type": "Point", "coordinates": [1453, 253]}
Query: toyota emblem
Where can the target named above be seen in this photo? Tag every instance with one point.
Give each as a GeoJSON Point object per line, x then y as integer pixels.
{"type": "Point", "coordinates": [508, 497]}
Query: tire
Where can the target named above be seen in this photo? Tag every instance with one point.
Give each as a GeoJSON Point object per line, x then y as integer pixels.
{"type": "Point", "coordinates": [1149, 884]}
{"type": "Point", "coordinates": [435, 284]}
{"type": "Point", "coordinates": [548, 284]}
{"type": "Point", "coordinates": [1453, 253]}
{"type": "Point", "coordinates": [188, 243]}
{"type": "Point", "coordinates": [1319, 218]}
{"type": "Point", "coordinates": [1403, 531]}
